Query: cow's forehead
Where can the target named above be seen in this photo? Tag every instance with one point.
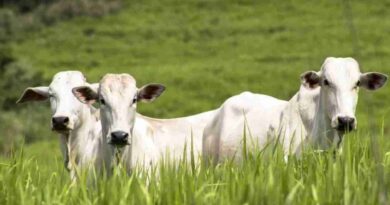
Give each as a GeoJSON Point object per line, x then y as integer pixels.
{"type": "Point", "coordinates": [340, 68]}
{"type": "Point", "coordinates": [117, 83]}
{"type": "Point", "coordinates": [67, 79]}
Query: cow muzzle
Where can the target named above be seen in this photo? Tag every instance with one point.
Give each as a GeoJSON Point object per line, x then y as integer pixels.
{"type": "Point", "coordinates": [119, 138]}
{"type": "Point", "coordinates": [345, 124]}
{"type": "Point", "coordinates": [60, 124]}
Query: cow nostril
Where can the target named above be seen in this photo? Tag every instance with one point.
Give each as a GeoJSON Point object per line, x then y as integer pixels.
{"type": "Point", "coordinates": [342, 120]}
{"type": "Point", "coordinates": [126, 136]}
{"type": "Point", "coordinates": [66, 120]}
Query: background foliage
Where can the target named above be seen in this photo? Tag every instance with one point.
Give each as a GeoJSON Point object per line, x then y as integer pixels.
{"type": "Point", "coordinates": [203, 51]}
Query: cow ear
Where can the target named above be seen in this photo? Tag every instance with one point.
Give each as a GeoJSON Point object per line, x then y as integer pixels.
{"type": "Point", "coordinates": [150, 92]}
{"type": "Point", "coordinates": [372, 80]}
{"type": "Point", "coordinates": [310, 79]}
{"type": "Point", "coordinates": [34, 94]}
{"type": "Point", "coordinates": [86, 94]}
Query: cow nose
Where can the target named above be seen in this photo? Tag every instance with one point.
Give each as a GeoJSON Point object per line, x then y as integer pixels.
{"type": "Point", "coordinates": [60, 120]}
{"type": "Point", "coordinates": [119, 136]}
{"type": "Point", "coordinates": [346, 123]}
{"type": "Point", "coordinates": [60, 123]}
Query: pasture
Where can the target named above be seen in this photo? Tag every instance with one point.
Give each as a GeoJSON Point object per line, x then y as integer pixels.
{"type": "Point", "coordinates": [205, 52]}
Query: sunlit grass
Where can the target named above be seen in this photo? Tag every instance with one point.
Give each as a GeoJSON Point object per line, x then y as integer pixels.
{"type": "Point", "coordinates": [356, 175]}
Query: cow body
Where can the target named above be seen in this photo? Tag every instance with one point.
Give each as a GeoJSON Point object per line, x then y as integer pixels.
{"type": "Point", "coordinates": [318, 115]}
{"type": "Point", "coordinates": [254, 115]}
{"type": "Point", "coordinates": [155, 139]}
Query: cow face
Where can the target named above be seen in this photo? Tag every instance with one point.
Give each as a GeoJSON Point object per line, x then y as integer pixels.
{"type": "Point", "coordinates": [118, 96]}
{"type": "Point", "coordinates": [65, 107]}
{"type": "Point", "coordinates": [340, 80]}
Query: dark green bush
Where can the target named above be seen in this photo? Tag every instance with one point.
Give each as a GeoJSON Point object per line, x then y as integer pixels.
{"type": "Point", "coordinates": [19, 123]}
{"type": "Point", "coordinates": [66, 9]}
{"type": "Point", "coordinates": [7, 26]}
{"type": "Point", "coordinates": [15, 77]}
{"type": "Point", "coordinates": [22, 16]}
{"type": "Point", "coordinates": [25, 5]}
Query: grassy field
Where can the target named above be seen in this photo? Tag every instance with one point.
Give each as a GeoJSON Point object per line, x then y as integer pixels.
{"type": "Point", "coordinates": [357, 176]}
{"type": "Point", "coordinates": [205, 51]}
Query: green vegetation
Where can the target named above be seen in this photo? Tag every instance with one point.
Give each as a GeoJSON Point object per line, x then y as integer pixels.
{"type": "Point", "coordinates": [203, 51]}
{"type": "Point", "coordinates": [357, 176]}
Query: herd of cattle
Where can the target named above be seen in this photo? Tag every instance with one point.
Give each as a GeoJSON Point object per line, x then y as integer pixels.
{"type": "Point", "coordinates": [318, 115]}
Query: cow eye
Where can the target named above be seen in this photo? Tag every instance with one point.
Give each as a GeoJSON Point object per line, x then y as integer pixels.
{"type": "Point", "coordinates": [326, 82]}
{"type": "Point", "coordinates": [102, 101]}
{"type": "Point", "coordinates": [134, 100]}
{"type": "Point", "coordinates": [357, 85]}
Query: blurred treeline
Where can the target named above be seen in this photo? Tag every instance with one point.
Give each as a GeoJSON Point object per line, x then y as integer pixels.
{"type": "Point", "coordinates": [18, 18]}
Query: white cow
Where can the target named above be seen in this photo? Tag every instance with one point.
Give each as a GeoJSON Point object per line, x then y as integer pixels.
{"type": "Point", "coordinates": [78, 124]}
{"type": "Point", "coordinates": [148, 139]}
{"type": "Point", "coordinates": [319, 115]}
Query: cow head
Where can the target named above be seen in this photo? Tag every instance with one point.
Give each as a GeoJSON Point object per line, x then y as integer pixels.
{"type": "Point", "coordinates": [340, 80]}
{"type": "Point", "coordinates": [65, 107]}
{"type": "Point", "coordinates": [118, 96]}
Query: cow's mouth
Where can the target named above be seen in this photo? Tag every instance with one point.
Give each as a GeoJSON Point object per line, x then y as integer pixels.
{"type": "Point", "coordinates": [118, 143]}
{"type": "Point", "coordinates": [345, 128]}
{"type": "Point", "coordinates": [62, 129]}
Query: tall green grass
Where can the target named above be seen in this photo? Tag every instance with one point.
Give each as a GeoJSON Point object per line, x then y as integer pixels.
{"type": "Point", "coordinates": [359, 174]}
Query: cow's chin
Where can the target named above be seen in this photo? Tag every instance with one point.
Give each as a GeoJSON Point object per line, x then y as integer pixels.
{"type": "Point", "coordinates": [61, 130]}
{"type": "Point", "coordinates": [118, 143]}
{"type": "Point", "coordinates": [341, 130]}
{"type": "Point", "coordinates": [344, 130]}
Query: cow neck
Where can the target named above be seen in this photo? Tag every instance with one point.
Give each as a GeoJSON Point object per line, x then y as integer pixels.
{"type": "Point", "coordinates": [322, 134]}
{"type": "Point", "coordinates": [64, 143]}
{"type": "Point", "coordinates": [142, 148]}
{"type": "Point", "coordinates": [82, 135]}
